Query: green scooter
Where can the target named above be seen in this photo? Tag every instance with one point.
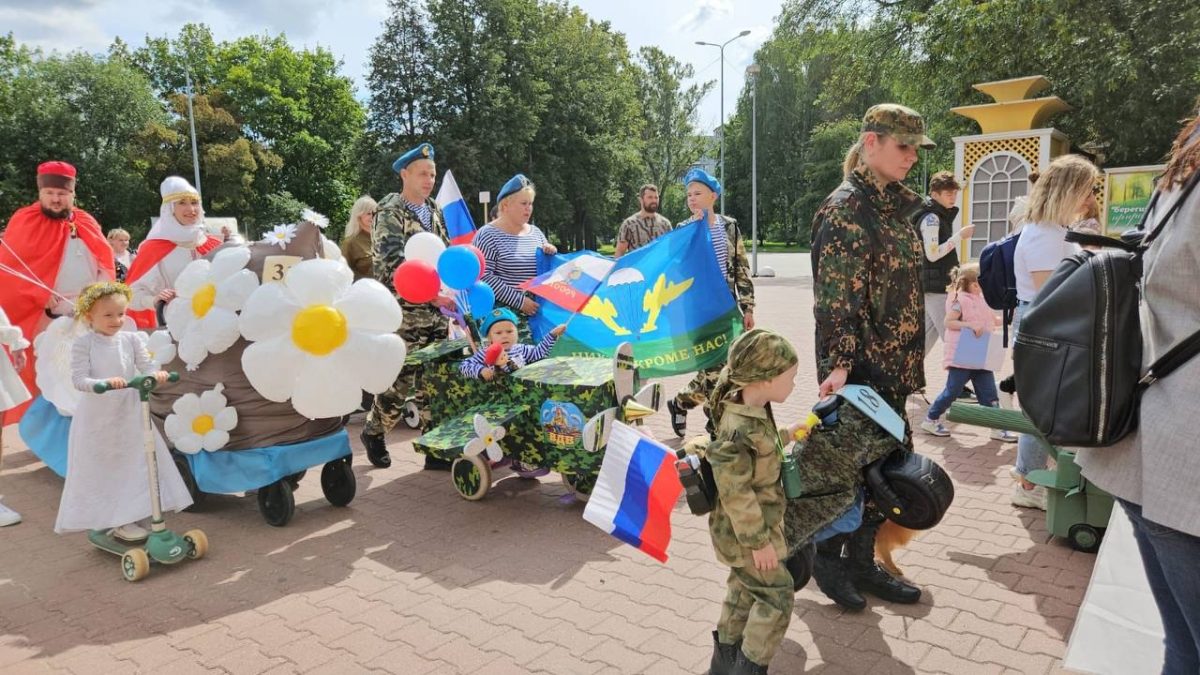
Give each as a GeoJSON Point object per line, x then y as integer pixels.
{"type": "Point", "coordinates": [162, 546]}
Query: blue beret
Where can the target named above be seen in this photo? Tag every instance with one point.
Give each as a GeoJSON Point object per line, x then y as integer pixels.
{"type": "Point", "coordinates": [497, 315]}
{"type": "Point", "coordinates": [422, 151]}
{"type": "Point", "coordinates": [704, 178]}
{"type": "Point", "coordinates": [514, 184]}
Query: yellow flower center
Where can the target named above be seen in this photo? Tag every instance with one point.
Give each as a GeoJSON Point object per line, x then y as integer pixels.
{"type": "Point", "coordinates": [202, 424]}
{"type": "Point", "coordinates": [203, 300]}
{"type": "Point", "coordinates": [487, 440]}
{"type": "Point", "coordinates": [319, 329]}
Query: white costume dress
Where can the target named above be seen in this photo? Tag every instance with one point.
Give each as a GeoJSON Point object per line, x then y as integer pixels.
{"type": "Point", "coordinates": [107, 477]}
{"type": "Point", "coordinates": [185, 237]}
{"type": "Point", "coordinates": [12, 390]}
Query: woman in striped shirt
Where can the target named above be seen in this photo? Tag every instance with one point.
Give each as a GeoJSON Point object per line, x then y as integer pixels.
{"type": "Point", "coordinates": [510, 243]}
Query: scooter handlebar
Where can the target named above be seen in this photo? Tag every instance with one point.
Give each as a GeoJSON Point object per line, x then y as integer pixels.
{"type": "Point", "coordinates": [145, 383]}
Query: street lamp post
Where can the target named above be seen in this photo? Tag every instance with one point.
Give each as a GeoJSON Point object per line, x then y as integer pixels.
{"type": "Point", "coordinates": [192, 124]}
{"type": "Point", "coordinates": [722, 48]}
{"type": "Point", "coordinates": [752, 71]}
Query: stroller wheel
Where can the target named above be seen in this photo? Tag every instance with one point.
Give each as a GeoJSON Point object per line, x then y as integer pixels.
{"type": "Point", "coordinates": [412, 414]}
{"type": "Point", "coordinates": [472, 477]}
{"type": "Point", "coordinates": [337, 482]}
{"type": "Point", "coordinates": [276, 503]}
{"type": "Point", "coordinates": [189, 481]}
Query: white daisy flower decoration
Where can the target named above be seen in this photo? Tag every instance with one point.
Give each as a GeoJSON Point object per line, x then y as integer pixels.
{"type": "Point", "coordinates": [487, 440]}
{"type": "Point", "coordinates": [281, 234]}
{"type": "Point", "coordinates": [310, 216]}
{"type": "Point", "coordinates": [330, 250]}
{"type": "Point", "coordinates": [319, 340]}
{"type": "Point", "coordinates": [160, 346]}
{"type": "Point", "coordinates": [203, 315]}
{"type": "Point", "coordinates": [200, 422]}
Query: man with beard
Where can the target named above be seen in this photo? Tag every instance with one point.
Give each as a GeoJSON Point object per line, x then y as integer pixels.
{"type": "Point", "coordinates": [49, 252]}
{"type": "Point", "coordinates": [644, 226]}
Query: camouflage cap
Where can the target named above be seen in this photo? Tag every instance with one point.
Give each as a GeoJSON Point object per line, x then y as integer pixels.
{"type": "Point", "coordinates": [759, 355]}
{"type": "Point", "coordinates": [902, 123]}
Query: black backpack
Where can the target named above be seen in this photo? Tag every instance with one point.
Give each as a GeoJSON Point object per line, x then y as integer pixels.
{"type": "Point", "coordinates": [998, 278]}
{"type": "Point", "coordinates": [1078, 352]}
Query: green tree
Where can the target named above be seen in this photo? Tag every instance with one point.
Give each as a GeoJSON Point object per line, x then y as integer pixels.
{"type": "Point", "coordinates": [669, 139]}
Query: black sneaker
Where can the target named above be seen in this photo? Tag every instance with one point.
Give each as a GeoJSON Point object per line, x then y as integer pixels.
{"type": "Point", "coordinates": [678, 418]}
{"type": "Point", "coordinates": [377, 452]}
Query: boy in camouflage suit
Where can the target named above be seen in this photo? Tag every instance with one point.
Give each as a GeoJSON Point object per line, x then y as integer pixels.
{"type": "Point", "coordinates": [399, 216]}
{"type": "Point", "coordinates": [703, 191]}
{"type": "Point", "coordinates": [870, 315]}
{"type": "Point", "coordinates": [746, 524]}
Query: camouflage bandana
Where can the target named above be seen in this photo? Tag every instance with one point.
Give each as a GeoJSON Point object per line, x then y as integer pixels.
{"type": "Point", "coordinates": [757, 355]}
{"type": "Point", "coordinates": [902, 123]}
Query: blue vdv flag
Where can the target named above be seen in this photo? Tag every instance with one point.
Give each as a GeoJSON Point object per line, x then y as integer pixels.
{"type": "Point", "coordinates": [669, 299]}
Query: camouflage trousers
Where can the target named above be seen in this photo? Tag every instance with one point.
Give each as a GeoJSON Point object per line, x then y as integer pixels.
{"type": "Point", "coordinates": [696, 393]}
{"type": "Point", "coordinates": [420, 329]}
{"type": "Point", "coordinates": [757, 609]}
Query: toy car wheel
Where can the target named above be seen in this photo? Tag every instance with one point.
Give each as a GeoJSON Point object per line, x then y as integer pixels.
{"type": "Point", "coordinates": [472, 477]}
{"type": "Point", "coordinates": [276, 503]}
{"type": "Point", "coordinates": [197, 544]}
{"type": "Point", "coordinates": [582, 489]}
{"type": "Point", "coordinates": [412, 414]}
{"type": "Point", "coordinates": [135, 564]}
{"type": "Point", "coordinates": [337, 482]}
{"type": "Point", "coordinates": [1084, 537]}
{"type": "Point", "coordinates": [189, 481]}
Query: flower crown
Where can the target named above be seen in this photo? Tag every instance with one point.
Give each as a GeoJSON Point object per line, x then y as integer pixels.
{"type": "Point", "coordinates": [83, 304]}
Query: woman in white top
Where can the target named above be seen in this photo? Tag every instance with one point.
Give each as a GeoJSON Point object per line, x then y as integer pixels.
{"type": "Point", "coordinates": [1059, 198]}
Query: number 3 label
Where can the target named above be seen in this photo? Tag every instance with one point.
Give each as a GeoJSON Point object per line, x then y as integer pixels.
{"type": "Point", "coordinates": [275, 267]}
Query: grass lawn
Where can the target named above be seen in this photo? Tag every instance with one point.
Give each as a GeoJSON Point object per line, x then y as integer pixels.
{"type": "Point", "coordinates": [765, 247]}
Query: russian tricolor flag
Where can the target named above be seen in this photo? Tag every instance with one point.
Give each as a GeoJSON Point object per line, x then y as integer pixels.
{"type": "Point", "coordinates": [636, 491]}
{"type": "Point", "coordinates": [459, 225]}
{"type": "Point", "coordinates": [571, 284]}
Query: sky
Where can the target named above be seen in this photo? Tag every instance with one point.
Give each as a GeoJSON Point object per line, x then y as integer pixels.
{"type": "Point", "coordinates": [347, 28]}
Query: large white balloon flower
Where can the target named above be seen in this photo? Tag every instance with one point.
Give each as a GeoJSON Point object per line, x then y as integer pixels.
{"type": "Point", "coordinates": [203, 315]}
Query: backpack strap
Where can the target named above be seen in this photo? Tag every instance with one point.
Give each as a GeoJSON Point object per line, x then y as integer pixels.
{"type": "Point", "coordinates": [1084, 239]}
{"type": "Point", "coordinates": [1174, 358]}
{"type": "Point", "coordinates": [1187, 189]}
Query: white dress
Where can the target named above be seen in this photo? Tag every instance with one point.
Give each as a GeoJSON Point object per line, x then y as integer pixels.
{"type": "Point", "coordinates": [12, 390]}
{"type": "Point", "coordinates": [107, 477]}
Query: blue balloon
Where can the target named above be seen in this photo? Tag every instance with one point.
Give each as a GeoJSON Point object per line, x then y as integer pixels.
{"type": "Point", "coordinates": [458, 266]}
{"type": "Point", "coordinates": [480, 299]}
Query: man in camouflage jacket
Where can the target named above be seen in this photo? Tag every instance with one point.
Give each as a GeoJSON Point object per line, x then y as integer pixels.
{"type": "Point", "coordinates": [399, 216]}
{"type": "Point", "coordinates": [870, 315]}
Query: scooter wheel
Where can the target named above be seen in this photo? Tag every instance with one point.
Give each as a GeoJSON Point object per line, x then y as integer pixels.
{"type": "Point", "coordinates": [337, 482]}
{"type": "Point", "coordinates": [189, 481]}
{"type": "Point", "coordinates": [197, 544]}
{"type": "Point", "coordinates": [276, 503]}
{"type": "Point", "coordinates": [472, 477]}
{"type": "Point", "coordinates": [135, 564]}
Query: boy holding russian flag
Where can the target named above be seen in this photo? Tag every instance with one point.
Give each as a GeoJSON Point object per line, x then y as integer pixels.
{"type": "Point", "coordinates": [747, 523]}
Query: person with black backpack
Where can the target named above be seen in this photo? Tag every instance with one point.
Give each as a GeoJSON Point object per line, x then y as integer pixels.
{"type": "Point", "coordinates": [1059, 198]}
{"type": "Point", "coordinates": [1154, 471]}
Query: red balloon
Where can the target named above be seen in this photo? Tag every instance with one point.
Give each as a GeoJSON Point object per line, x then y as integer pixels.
{"type": "Point", "coordinates": [416, 281]}
{"type": "Point", "coordinates": [482, 263]}
{"type": "Point", "coordinates": [492, 353]}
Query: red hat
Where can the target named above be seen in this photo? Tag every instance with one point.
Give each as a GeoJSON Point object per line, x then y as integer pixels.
{"type": "Point", "coordinates": [56, 174]}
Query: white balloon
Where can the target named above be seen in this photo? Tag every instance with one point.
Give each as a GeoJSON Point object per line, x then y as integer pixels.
{"type": "Point", "coordinates": [425, 246]}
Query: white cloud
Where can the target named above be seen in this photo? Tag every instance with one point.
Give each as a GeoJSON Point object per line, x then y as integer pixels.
{"type": "Point", "coordinates": [704, 12]}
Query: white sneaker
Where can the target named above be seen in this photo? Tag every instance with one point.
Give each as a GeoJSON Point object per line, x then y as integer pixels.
{"type": "Point", "coordinates": [1029, 499]}
{"type": "Point", "coordinates": [8, 516]}
{"type": "Point", "coordinates": [130, 532]}
{"type": "Point", "coordinates": [1004, 436]}
{"type": "Point", "coordinates": [934, 428]}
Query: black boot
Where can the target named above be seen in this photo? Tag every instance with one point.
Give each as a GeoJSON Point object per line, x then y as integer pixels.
{"type": "Point", "coordinates": [723, 656]}
{"type": "Point", "coordinates": [678, 418]}
{"type": "Point", "coordinates": [800, 565]}
{"type": "Point", "coordinates": [832, 573]}
{"type": "Point", "coordinates": [869, 577]}
{"type": "Point", "coordinates": [744, 666]}
{"type": "Point", "coordinates": [377, 451]}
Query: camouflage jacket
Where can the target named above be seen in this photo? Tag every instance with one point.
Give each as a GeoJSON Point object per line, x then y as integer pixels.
{"type": "Point", "coordinates": [737, 272]}
{"type": "Point", "coordinates": [745, 460]}
{"type": "Point", "coordinates": [395, 222]}
{"type": "Point", "coordinates": [869, 306]}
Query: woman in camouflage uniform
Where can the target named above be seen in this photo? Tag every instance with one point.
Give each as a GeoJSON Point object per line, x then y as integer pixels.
{"type": "Point", "coordinates": [747, 523]}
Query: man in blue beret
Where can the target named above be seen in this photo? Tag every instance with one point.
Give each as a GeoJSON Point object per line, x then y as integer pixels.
{"type": "Point", "coordinates": [399, 216]}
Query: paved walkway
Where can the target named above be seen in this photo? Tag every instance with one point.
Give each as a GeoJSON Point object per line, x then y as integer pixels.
{"type": "Point", "coordinates": [412, 579]}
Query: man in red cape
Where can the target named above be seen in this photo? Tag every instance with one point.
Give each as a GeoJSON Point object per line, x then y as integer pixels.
{"type": "Point", "coordinates": [177, 238]}
{"type": "Point", "coordinates": [49, 252]}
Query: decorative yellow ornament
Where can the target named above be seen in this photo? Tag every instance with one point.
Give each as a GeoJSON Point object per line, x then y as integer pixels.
{"type": "Point", "coordinates": [319, 329]}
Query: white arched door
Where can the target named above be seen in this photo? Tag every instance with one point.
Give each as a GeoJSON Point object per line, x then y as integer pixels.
{"type": "Point", "coordinates": [998, 179]}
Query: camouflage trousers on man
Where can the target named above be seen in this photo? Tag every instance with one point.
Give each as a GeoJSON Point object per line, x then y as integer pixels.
{"type": "Point", "coordinates": [420, 329]}
{"type": "Point", "coordinates": [757, 609]}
